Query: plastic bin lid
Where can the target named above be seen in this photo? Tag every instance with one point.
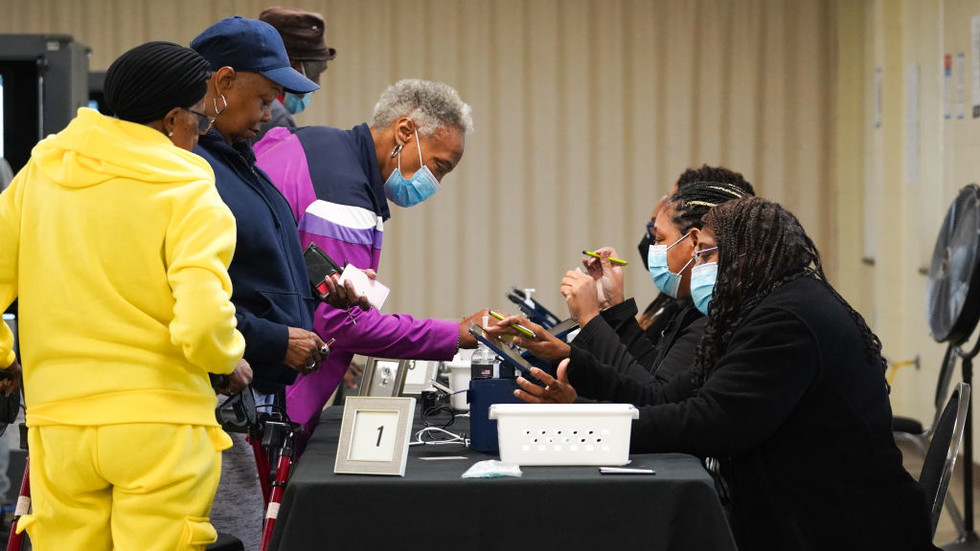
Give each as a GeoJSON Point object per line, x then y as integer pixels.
{"type": "Point", "coordinates": [564, 410]}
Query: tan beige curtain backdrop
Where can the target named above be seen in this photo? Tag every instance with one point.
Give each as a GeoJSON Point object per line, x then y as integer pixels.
{"type": "Point", "coordinates": [585, 111]}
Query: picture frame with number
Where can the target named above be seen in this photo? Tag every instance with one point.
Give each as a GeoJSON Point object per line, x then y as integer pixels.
{"type": "Point", "coordinates": [383, 377]}
{"type": "Point", "coordinates": [374, 435]}
{"type": "Point", "coordinates": [418, 376]}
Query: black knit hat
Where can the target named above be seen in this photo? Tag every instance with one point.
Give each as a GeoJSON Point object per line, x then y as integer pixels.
{"type": "Point", "coordinates": [145, 83]}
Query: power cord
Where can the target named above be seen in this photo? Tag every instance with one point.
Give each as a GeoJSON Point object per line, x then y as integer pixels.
{"type": "Point", "coordinates": [439, 436]}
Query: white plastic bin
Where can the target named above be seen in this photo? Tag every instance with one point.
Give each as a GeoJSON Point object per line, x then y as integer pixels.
{"type": "Point", "coordinates": [564, 434]}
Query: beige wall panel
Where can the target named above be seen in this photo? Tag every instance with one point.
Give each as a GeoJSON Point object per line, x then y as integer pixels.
{"type": "Point", "coordinates": [772, 125]}
{"type": "Point", "coordinates": [545, 236]}
{"type": "Point", "coordinates": [745, 110]}
{"type": "Point", "coordinates": [681, 51]}
{"type": "Point", "coordinates": [644, 138]}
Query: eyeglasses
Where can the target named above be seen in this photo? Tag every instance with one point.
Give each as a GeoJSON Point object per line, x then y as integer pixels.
{"type": "Point", "coordinates": [204, 122]}
{"type": "Point", "coordinates": [650, 226]}
{"type": "Point", "coordinates": [699, 259]}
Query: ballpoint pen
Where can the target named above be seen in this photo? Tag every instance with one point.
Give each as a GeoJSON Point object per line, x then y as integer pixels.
{"type": "Point", "coordinates": [517, 326]}
{"type": "Point", "coordinates": [619, 261]}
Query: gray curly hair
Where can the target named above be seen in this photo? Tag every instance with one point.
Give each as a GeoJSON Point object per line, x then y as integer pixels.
{"type": "Point", "coordinates": [432, 105]}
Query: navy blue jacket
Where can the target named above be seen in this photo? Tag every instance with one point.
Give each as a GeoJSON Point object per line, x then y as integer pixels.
{"type": "Point", "coordinates": [271, 291]}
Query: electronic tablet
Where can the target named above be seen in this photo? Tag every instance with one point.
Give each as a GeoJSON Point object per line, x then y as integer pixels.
{"type": "Point", "coordinates": [532, 309]}
{"type": "Point", "coordinates": [509, 354]}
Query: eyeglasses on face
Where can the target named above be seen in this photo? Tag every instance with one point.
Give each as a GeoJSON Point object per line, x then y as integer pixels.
{"type": "Point", "coordinates": [703, 256]}
{"type": "Point", "coordinates": [204, 122]}
{"type": "Point", "coordinates": [650, 226]}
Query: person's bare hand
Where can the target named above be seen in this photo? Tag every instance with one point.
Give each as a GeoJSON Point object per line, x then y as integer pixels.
{"type": "Point", "coordinates": [11, 378]}
{"type": "Point", "coordinates": [609, 276]}
{"type": "Point", "coordinates": [350, 377]}
{"type": "Point", "coordinates": [237, 380]}
{"type": "Point", "coordinates": [544, 345]}
{"type": "Point", "coordinates": [305, 351]}
{"type": "Point", "coordinates": [344, 296]}
{"type": "Point", "coordinates": [466, 340]}
{"type": "Point", "coordinates": [555, 391]}
{"type": "Point", "coordinates": [579, 290]}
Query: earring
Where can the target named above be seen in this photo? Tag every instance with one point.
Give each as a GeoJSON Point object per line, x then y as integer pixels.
{"type": "Point", "coordinates": [396, 151]}
{"type": "Point", "coordinates": [215, 102]}
{"type": "Point", "coordinates": [170, 134]}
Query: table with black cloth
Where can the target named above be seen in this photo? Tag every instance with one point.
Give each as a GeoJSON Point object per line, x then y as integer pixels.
{"type": "Point", "coordinates": [432, 507]}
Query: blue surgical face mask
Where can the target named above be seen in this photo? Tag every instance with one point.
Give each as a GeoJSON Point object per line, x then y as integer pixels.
{"type": "Point", "coordinates": [296, 103]}
{"type": "Point", "coordinates": [667, 281]}
{"type": "Point", "coordinates": [411, 191]}
{"type": "Point", "coordinates": [703, 279]}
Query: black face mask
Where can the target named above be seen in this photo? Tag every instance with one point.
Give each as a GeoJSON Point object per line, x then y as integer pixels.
{"type": "Point", "coordinates": [644, 248]}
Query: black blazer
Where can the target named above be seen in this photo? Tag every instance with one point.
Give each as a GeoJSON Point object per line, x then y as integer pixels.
{"type": "Point", "coordinates": [615, 338]}
{"type": "Point", "coordinates": [801, 422]}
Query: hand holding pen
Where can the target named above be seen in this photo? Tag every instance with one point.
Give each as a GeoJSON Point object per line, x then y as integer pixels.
{"type": "Point", "coordinates": [543, 345]}
{"type": "Point", "coordinates": [607, 270]}
{"type": "Point", "coordinates": [523, 330]}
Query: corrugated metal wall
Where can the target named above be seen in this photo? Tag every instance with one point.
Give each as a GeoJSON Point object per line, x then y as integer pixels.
{"type": "Point", "coordinates": [585, 110]}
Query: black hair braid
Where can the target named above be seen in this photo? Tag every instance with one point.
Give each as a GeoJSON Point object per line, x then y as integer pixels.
{"type": "Point", "coordinates": [714, 174]}
{"type": "Point", "coordinates": [691, 203]}
{"type": "Point", "coordinates": [761, 246]}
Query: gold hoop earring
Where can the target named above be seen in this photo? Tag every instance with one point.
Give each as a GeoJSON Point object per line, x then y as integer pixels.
{"type": "Point", "coordinates": [215, 102]}
{"type": "Point", "coordinates": [396, 151]}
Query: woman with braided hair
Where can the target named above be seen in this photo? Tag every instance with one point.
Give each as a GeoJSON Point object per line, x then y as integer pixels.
{"type": "Point", "coordinates": [649, 324]}
{"type": "Point", "coordinates": [791, 395]}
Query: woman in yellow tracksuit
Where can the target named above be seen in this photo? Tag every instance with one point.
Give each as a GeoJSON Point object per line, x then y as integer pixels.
{"type": "Point", "coordinates": [117, 244]}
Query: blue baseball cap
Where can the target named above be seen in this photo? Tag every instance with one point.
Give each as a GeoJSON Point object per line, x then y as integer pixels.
{"type": "Point", "coordinates": [252, 46]}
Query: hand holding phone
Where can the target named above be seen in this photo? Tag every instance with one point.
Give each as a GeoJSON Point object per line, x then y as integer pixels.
{"type": "Point", "coordinates": [319, 266]}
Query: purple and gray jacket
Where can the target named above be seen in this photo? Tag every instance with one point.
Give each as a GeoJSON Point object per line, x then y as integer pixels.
{"type": "Point", "coordinates": [331, 179]}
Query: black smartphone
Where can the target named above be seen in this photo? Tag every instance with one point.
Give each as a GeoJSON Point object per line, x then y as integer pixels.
{"type": "Point", "coordinates": [319, 266]}
{"type": "Point", "coordinates": [509, 354]}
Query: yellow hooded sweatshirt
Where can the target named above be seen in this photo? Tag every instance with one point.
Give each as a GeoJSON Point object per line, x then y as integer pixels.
{"type": "Point", "coordinates": [118, 246]}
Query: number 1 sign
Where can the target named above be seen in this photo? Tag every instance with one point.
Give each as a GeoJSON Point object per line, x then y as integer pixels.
{"type": "Point", "coordinates": [374, 435]}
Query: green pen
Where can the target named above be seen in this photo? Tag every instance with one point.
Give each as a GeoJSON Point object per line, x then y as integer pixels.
{"type": "Point", "coordinates": [619, 261]}
{"type": "Point", "coordinates": [517, 326]}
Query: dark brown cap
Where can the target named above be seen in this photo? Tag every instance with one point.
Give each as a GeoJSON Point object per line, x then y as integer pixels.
{"type": "Point", "coordinates": [301, 31]}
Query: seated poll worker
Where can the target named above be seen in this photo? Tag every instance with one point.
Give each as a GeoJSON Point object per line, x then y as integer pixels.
{"type": "Point", "coordinates": [641, 333]}
{"type": "Point", "coordinates": [676, 231]}
{"type": "Point", "coordinates": [117, 245]}
{"type": "Point", "coordinates": [338, 184]}
{"type": "Point", "coordinates": [791, 394]}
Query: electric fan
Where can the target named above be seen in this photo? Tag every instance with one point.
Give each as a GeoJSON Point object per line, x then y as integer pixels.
{"type": "Point", "coordinates": [952, 297]}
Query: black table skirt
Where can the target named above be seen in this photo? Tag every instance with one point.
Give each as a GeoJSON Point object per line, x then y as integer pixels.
{"type": "Point", "coordinates": [432, 507]}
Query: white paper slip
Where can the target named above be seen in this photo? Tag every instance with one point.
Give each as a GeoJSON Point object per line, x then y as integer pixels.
{"type": "Point", "coordinates": [375, 292]}
{"type": "Point", "coordinates": [625, 470]}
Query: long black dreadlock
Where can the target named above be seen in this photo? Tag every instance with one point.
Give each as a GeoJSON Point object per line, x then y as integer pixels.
{"type": "Point", "coordinates": [761, 246]}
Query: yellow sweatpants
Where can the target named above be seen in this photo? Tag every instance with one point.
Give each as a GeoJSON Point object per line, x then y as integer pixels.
{"type": "Point", "coordinates": [129, 487]}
